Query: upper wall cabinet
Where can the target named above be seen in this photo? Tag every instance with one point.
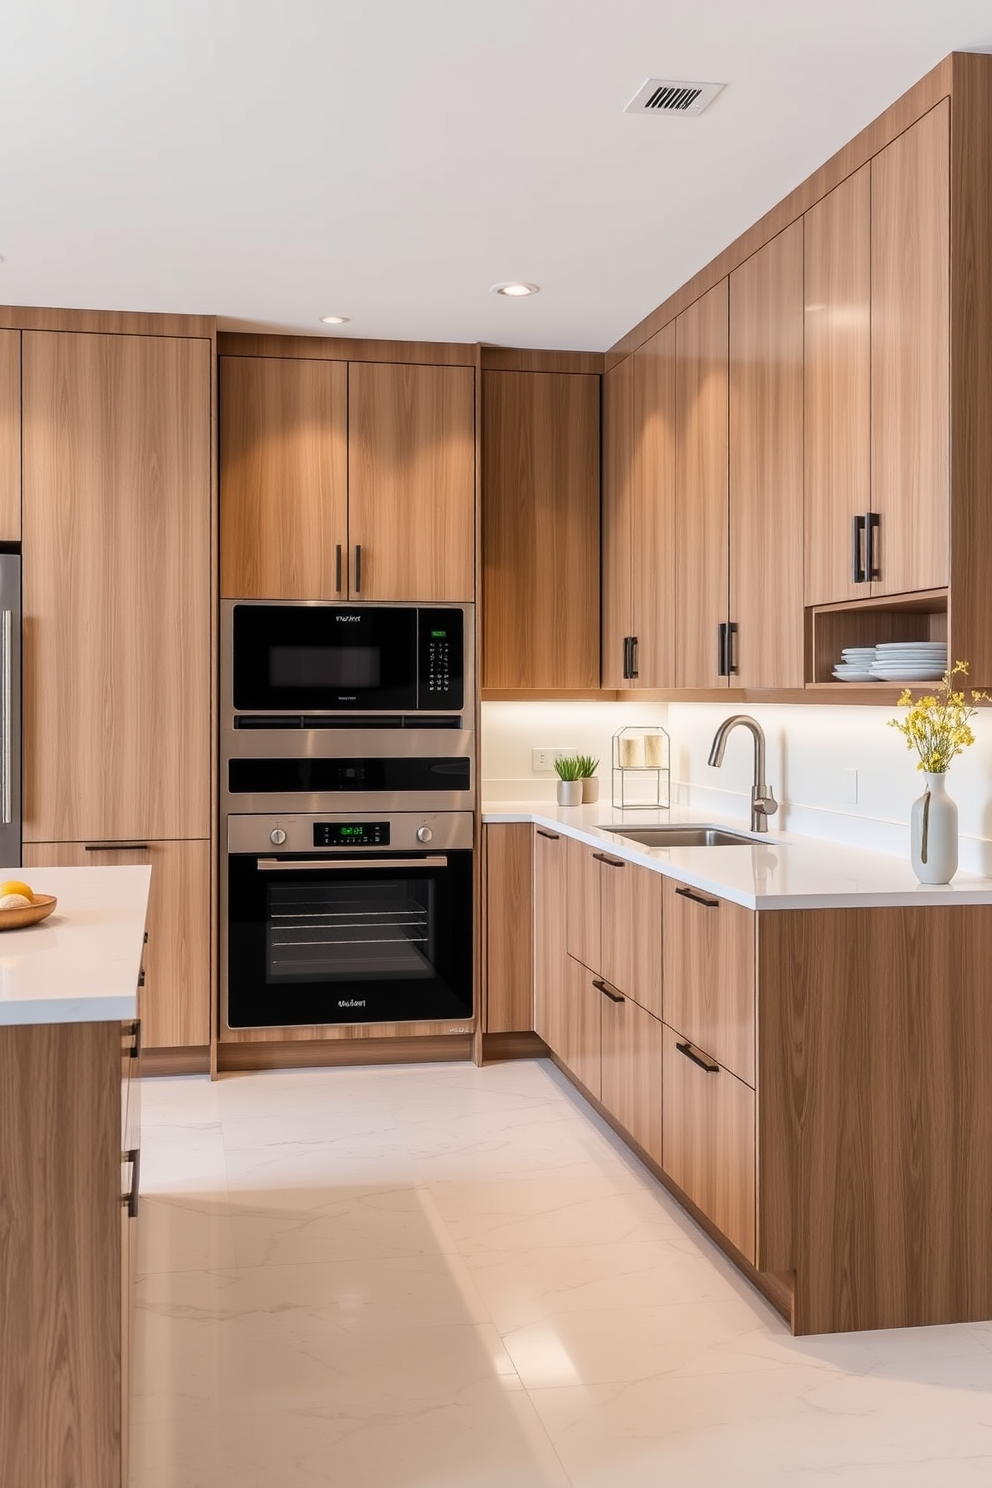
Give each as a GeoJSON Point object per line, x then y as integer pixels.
{"type": "Point", "coordinates": [702, 510]}
{"type": "Point", "coordinates": [284, 478]}
{"type": "Point", "coordinates": [540, 530]}
{"type": "Point", "coordinates": [10, 436]}
{"type": "Point", "coordinates": [117, 587]}
{"type": "Point", "coordinates": [617, 499]}
{"type": "Point", "coordinates": [350, 481]}
{"type": "Point", "coordinates": [910, 308]}
{"type": "Point", "coordinates": [766, 465]}
{"type": "Point", "coordinates": [411, 482]}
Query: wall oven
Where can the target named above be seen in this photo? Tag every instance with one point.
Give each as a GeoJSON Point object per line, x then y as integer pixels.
{"type": "Point", "coordinates": [347, 796]}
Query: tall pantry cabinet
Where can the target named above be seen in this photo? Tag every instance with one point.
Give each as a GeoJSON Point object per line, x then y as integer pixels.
{"type": "Point", "coordinates": [117, 554]}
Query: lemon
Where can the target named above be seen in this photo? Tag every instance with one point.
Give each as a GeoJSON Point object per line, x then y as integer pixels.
{"type": "Point", "coordinates": [15, 886]}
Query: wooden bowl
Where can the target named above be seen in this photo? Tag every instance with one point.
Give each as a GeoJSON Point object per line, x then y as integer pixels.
{"type": "Point", "coordinates": [16, 919]}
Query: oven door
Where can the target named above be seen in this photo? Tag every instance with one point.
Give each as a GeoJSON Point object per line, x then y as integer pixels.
{"type": "Point", "coordinates": [348, 939]}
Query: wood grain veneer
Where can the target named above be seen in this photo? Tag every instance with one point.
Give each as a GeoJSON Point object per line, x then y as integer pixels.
{"type": "Point", "coordinates": [581, 1032]}
{"type": "Point", "coordinates": [411, 481]}
{"type": "Point", "coordinates": [584, 900]}
{"type": "Point", "coordinates": [380, 1035]}
{"type": "Point", "coordinates": [175, 1001]}
{"type": "Point", "coordinates": [910, 309]}
{"type": "Point", "coordinates": [702, 511]}
{"type": "Point", "coordinates": [632, 1071]}
{"type": "Point", "coordinates": [766, 463]}
{"type": "Point", "coordinates": [875, 1124]}
{"type": "Point", "coordinates": [550, 958]}
{"type": "Point", "coordinates": [709, 975]}
{"type": "Point", "coordinates": [117, 587]}
{"type": "Point", "coordinates": [652, 535]}
{"type": "Point", "coordinates": [519, 359]}
{"type": "Point", "coordinates": [509, 938]}
{"type": "Point", "coordinates": [10, 436]}
{"type": "Point", "coordinates": [347, 349]}
{"type": "Point", "coordinates": [108, 322]}
{"type": "Point", "coordinates": [402, 1045]}
{"type": "Point", "coordinates": [631, 933]}
{"type": "Point", "coordinates": [540, 530]}
{"type": "Point", "coordinates": [709, 1142]}
{"type": "Point", "coordinates": [837, 385]}
{"type": "Point", "coordinates": [617, 515]}
{"type": "Point", "coordinates": [60, 1256]}
{"type": "Point", "coordinates": [283, 478]}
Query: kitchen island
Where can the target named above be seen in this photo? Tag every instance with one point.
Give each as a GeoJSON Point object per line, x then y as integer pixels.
{"type": "Point", "coordinates": [69, 1122]}
{"type": "Point", "coordinates": [795, 1035]}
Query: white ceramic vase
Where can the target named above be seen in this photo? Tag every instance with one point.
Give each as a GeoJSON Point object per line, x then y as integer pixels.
{"type": "Point", "coordinates": [933, 833]}
{"type": "Point", "coordinates": [570, 793]}
{"type": "Point", "coordinates": [590, 789]}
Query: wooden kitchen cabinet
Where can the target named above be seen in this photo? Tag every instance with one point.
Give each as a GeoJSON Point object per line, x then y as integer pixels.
{"type": "Point", "coordinates": [709, 976]}
{"type": "Point", "coordinates": [117, 587]}
{"type": "Point", "coordinates": [284, 478]}
{"type": "Point", "coordinates": [910, 328]}
{"type": "Point", "coordinates": [766, 464]}
{"type": "Point", "coordinates": [10, 436]}
{"type": "Point", "coordinates": [709, 1138]}
{"type": "Point", "coordinates": [174, 1002]}
{"type": "Point", "coordinates": [702, 505]}
{"type": "Point", "coordinates": [550, 955]}
{"type": "Point", "coordinates": [581, 1046]}
{"type": "Point", "coordinates": [617, 499]}
{"type": "Point", "coordinates": [583, 899]}
{"type": "Point", "coordinates": [411, 482]}
{"type": "Point", "coordinates": [509, 896]}
{"type": "Point", "coordinates": [631, 930]}
{"type": "Point", "coordinates": [540, 530]}
{"type": "Point", "coordinates": [632, 1058]}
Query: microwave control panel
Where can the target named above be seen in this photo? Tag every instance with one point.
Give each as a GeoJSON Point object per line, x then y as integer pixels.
{"type": "Point", "coordinates": [441, 680]}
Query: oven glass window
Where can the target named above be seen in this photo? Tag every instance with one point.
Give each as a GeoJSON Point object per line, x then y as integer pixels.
{"type": "Point", "coordinates": [348, 932]}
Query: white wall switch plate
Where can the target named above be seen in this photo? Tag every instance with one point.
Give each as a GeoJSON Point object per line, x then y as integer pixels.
{"type": "Point", "coordinates": [542, 758]}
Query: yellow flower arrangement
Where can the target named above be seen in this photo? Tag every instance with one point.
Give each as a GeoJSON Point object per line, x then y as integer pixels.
{"type": "Point", "coordinates": [938, 726]}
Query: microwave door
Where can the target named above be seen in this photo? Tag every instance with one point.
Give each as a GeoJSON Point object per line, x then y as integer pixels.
{"type": "Point", "coordinates": [324, 658]}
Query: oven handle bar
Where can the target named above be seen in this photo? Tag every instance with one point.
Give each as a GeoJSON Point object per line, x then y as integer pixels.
{"type": "Point", "coordinates": [280, 865]}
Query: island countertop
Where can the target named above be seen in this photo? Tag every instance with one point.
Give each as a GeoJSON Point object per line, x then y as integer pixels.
{"type": "Point", "coordinates": [81, 964]}
{"type": "Point", "coordinates": [777, 870]}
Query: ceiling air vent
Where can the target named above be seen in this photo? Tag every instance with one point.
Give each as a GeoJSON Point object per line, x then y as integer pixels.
{"type": "Point", "coordinates": [663, 96]}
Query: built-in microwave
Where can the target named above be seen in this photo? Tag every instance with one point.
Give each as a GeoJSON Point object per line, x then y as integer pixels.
{"type": "Point", "coordinates": [310, 658]}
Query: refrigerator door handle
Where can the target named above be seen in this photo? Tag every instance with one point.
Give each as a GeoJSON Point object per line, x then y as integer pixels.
{"type": "Point", "coordinates": [6, 702]}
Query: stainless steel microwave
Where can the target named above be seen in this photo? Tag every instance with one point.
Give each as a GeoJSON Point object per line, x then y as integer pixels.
{"type": "Point", "coordinates": [305, 658]}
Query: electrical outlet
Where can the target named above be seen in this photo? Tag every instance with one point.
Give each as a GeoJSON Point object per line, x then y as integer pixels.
{"type": "Point", "coordinates": [850, 790]}
{"type": "Point", "coordinates": [543, 756]}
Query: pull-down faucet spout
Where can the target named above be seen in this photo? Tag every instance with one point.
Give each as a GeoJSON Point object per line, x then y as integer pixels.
{"type": "Point", "coordinates": [763, 802]}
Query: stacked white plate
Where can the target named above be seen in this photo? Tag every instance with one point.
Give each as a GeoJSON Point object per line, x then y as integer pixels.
{"type": "Point", "coordinates": [855, 664]}
{"type": "Point", "coordinates": [910, 661]}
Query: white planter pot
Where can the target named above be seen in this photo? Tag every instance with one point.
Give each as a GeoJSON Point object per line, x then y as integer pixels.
{"type": "Point", "coordinates": [590, 789]}
{"type": "Point", "coordinates": [933, 833]}
{"type": "Point", "coordinates": [570, 793]}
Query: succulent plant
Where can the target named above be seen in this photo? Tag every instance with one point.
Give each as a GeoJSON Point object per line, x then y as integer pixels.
{"type": "Point", "coordinates": [567, 766]}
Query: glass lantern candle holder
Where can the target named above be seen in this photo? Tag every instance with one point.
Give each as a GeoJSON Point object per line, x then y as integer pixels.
{"type": "Point", "coordinates": [641, 767]}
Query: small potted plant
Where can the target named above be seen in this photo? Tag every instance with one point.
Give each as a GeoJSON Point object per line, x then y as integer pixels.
{"type": "Point", "coordinates": [569, 780]}
{"type": "Point", "coordinates": [587, 773]}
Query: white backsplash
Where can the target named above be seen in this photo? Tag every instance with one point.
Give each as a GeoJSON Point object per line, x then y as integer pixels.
{"type": "Point", "coordinates": [811, 751]}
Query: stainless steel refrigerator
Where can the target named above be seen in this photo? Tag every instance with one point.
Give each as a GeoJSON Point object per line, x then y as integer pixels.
{"type": "Point", "coordinates": [10, 710]}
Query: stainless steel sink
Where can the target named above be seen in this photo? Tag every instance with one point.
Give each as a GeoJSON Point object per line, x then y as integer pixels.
{"type": "Point", "coordinates": [679, 836]}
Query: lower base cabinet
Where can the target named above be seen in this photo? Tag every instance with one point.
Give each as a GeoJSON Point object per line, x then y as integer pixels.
{"type": "Point", "coordinates": [175, 998]}
{"type": "Point", "coordinates": [632, 1072]}
{"type": "Point", "coordinates": [709, 1138]}
{"type": "Point", "coordinates": [581, 1028]}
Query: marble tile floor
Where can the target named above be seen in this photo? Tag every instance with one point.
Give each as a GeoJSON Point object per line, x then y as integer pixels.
{"type": "Point", "coordinates": [445, 1277]}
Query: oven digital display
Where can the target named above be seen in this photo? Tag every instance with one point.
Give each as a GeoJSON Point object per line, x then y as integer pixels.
{"type": "Point", "coordinates": [351, 834]}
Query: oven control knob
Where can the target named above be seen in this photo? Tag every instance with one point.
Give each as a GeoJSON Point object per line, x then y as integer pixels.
{"type": "Point", "coordinates": [424, 834]}
{"type": "Point", "coordinates": [277, 836]}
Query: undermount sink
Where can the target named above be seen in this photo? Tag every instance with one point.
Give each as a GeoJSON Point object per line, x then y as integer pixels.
{"type": "Point", "coordinates": [679, 836]}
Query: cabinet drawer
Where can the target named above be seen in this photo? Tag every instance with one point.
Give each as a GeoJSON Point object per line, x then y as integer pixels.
{"type": "Point", "coordinates": [709, 1144]}
{"type": "Point", "coordinates": [630, 933]}
{"type": "Point", "coordinates": [632, 1071]}
{"type": "Point", "coordinates": [580, 1029]}
{"type": "Point", "coordinates": [709, 975]}
{"type": "Point", "coordinates": [582, 932]}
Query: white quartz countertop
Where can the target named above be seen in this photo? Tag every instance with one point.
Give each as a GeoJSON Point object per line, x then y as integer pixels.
{"type": "Point", "coordinates": [776, 870]}
{"type": "Point", "coordinates": [81, 965]}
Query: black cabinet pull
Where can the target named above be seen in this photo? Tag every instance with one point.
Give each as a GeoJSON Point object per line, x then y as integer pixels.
{"type": "Point", "coordinates": [551, 836]}
{"type": "Point", "coordinates": [337, 568]}
{"type": "Point", "coordinates": [721, 650]}
{"type": "Point", "coordinates": [133, 1030]}
{"type": "Point", "coordinates": [610, 862]}
{"type": "Point", "coordinates": [358, 568]}
{"type": "Point", "coordinates": [857, 550]}
{"type": "Point", "coordinates": [626, 658]}
{"type": "Point", "coordinates": [698, 1057]}
{"type": "Point", "coordinates": [699, 898]}
{"type": "Point", "coordinates": [633, 658]}
{"type": "Point", "coordinates": [608, 991]}
{"type": "Point", "coordinates": [732, 649]}
{"type": "Point", "coordinates": [141, 977]}
{"type": "Point", "coordinates": [874, 523]}
{"type": "Point", "coordinates": [115, 847]}
{"type": "Point", "coordinates": [132, 1156]}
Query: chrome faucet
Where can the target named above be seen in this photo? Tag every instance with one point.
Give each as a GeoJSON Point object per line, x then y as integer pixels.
{"type": "Point", "coordinates": [763, 802]}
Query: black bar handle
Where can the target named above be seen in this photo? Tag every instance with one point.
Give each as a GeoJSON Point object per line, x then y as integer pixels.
{"type": "Point", "coordinates": [610, 862]}
{"type": "Point", "coordinates": [552, 836]}
{"type": "Point", "coordinates": [141, 977]}
{"type": "Point", "coordinates": [698, 1057]}
{"type": "Point", "coordinates": [633, 657]}
{"type": "Point", "coordinates": [358, 568]}
{"type": "Point", "coordinates": [732, 649]}
{"type": "Point", "coordinates": [874, 521]}
{"type": "Point", "coordinates": [721, 650]}
{"type": "Point", "coordinates": [626, 658]}
{"type": "Point", "coordinates": [857, 550]}
{"type": "Point", "coordinates": [608, 991]}
{"type": "Point", "coordinates": [337, 569]}
{"type": "Point", "coordinates": [115, 847]}
{"type": "Point", "coordinates": [133, 1030]}
{"type": "Point", "coordinates": [132, 1156]}
{"type": "Point", "coordinates": [699, 898]}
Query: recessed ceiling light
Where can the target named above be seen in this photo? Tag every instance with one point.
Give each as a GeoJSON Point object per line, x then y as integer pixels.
{"type": "Point", "coordinates": [334, 319]}
{"type": "Point", "coordinates": [516, 288]}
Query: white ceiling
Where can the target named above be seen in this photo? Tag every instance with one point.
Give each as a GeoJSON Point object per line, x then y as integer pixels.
{"type": "Point", "coordinates": [271, 161]}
